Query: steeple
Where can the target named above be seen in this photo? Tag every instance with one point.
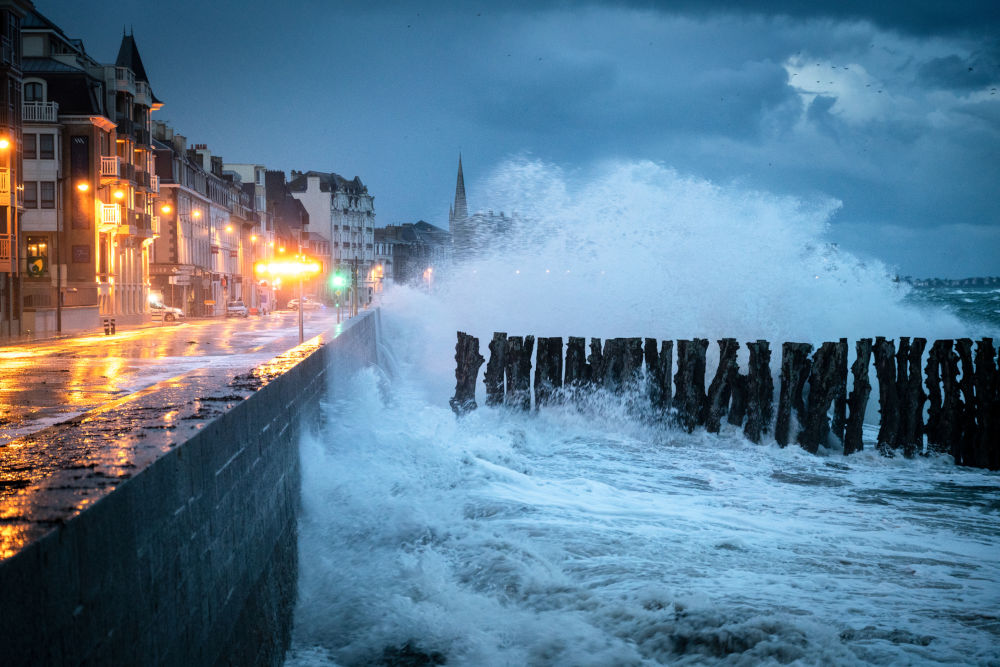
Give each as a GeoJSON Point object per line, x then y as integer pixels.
{"type": "Point", "coordinates": [461, 209]}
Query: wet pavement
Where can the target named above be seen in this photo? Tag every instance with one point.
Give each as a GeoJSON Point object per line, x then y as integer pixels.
{"type": "Point", "coordinates": [45, 382]}
{"type": "Point", "coordinates": [80, 415]}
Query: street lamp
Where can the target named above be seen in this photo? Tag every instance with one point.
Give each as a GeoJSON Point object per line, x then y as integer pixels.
{"type": "Point", "coordinates": [298, 268]}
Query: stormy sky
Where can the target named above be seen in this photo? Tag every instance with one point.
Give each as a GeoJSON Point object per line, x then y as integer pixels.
{"type": "Point", "coordinates": [893, 109]}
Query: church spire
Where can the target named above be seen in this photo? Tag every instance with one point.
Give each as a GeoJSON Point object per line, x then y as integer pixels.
{"type": "Point", "coordinates": [461, 209]}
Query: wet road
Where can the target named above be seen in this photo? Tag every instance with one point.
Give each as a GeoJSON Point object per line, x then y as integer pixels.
{"type": "Point", "coordinates": [47, 382]}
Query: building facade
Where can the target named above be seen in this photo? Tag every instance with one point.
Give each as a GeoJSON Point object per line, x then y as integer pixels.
{"type": "Point", "coordinates": [413, 253]}
{"type": "Point", "coordinates": [343, 212]}
{"type": "Point", "coordinates": [12, 13]}
{"type": "Point", "coordinates": [88, 189]}
{"type": "Point", "coordinates": [210, 233]}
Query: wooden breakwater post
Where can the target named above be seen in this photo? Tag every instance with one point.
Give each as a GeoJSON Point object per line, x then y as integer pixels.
{"type": "Point", "coordinates": [689, 383]}
{"type": "Point", "coordinates": [517, 371]}
{"type": "Point", "coordinates": [467, 363]}
{"type": "Point", "coordinates": [795, 366]}
{"type": "Point", "coordinates": [720, 391]}
{"type": "Point", "coordinates": [548, 369]}
{"type": "Point", "coordinates": [495, 369]}
{"type": "Point", "coordinates": [658, 366]}
{"type": "Point", "coordinates": [857, 402]}
{"type": "Point", "coordinates": [961, 377]}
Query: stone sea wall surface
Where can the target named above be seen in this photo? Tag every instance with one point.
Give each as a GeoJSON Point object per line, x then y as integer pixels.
{"type": "Point", "coordinates": [190, 556]}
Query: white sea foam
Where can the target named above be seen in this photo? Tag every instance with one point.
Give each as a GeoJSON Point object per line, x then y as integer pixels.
{"type": "Point", "coordinates": [564, 537]}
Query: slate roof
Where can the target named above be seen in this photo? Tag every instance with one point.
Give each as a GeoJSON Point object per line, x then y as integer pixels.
{"type": "Point", "coordinates": [128, 56]}
{"type": "Point", "coordinates": [32, 65]}
{"type": "Point", "coordinates": [327, 182]}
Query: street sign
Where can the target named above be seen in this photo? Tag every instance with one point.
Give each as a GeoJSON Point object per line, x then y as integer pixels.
{"type": "Point", "coordinates": [180, 280]}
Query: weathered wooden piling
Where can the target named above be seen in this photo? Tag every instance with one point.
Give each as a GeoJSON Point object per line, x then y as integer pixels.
{"type": "Point", "coordinates": [987, 380]}
{"type": "Point", "coordinates": [760, 391]}
{"type": "Point", "coordinates": [738, 401]}
{"type": "Point", "coordinates": [467, 363]}
{"type": "Point", "coordinates": [795, 365]}
{"type": "Point", "coordinates": [596, 362]}
{"type": "Point", "coordinates": [517, 371]}
{"type": "Point", "coordinates": [689, 382]}
{"type": "Point", "coordinates": [945, 416]}
{"type": "Point", "coordinates": [624, 364]}
{"type": "Point", "coordinates": [658, 367]}
{"type": "Point", "coordinates": [962, 387]}
{"type": "Point", "coordinates": [967, 420]}
{"type": "Point", "coordinates": [911, 396]}
{"type": "Point", "coordinates": [548, 369]}
{"type": "Point", "coordinates": [721, 388]}
{"type": "Point", "coordinates": [888, 399]}
{"type": "Point", "coordinates": [824, 387]}
{"type": "Point", "coordinates": [858, 400]}
{"type": "Point", "coordinates": [495, 369]}
{"type": "Point", "coordinates": [577, 369]}
{"type": "Point", "coordinates": [839, 424]}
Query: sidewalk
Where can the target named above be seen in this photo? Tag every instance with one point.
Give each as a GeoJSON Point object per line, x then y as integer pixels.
{"type": "Point", "coordinates": [123, 323]}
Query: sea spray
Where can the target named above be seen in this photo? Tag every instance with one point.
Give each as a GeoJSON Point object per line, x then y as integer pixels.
{"type": "Point", "coordinates": [568, 536]}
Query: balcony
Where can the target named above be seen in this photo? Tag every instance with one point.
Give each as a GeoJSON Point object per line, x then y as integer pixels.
{"type": "Point", "coordinates": [142, 136]}
{"type": "Point", "coordinates": [125, 126]}
{"type": "Point", "coordinates": [110, 166]}
{"type": "Point", "coordinates": [156, 225]}
{"type": "Point", "coordinates": [124, 79]}
{"type": "Point", "coordinates": [142, 179]}
{"type": "Point", "coordinates": [5, 194]}
{"type": "Point", "coordinates": [5, 246]}
{"type": "Point", "coordinates": [154, 183]}
{"type": "Point", "coordinates": [126, 172]}
{"type": "Point", "coordinates": [142, 93]}
{"type": "Point", "coordinates": [111, 215]}
{"type": "Point", "coordinates": [40, 112]}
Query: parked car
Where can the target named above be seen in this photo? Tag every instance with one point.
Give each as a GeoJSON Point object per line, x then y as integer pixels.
{"type": "Point", "coordinates": [308, 303]}
{"type": "Point", "coordinates": [237, 309]}
{"type": "Point", "coordinates": [168, 313]}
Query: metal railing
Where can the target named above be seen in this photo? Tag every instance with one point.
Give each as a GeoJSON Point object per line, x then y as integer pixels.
{"type": "Point", "coordinates": [154, 183]}
{"type": "Point", "coordinates": [4, 249]}
{"type": "Point", "coordinates": [109, 166]}
{"type": "Point", "coordinates": [40, 112]}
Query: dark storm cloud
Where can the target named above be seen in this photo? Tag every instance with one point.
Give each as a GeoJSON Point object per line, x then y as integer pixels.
{"type": "Point", "coordinates": [917, 17]}
{"type": "Point", "coordinates": [962, 73]}
{"type": "Point", "coordinates": [870, 103]}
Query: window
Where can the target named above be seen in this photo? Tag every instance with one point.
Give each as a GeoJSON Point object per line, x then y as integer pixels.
{"type": "Point", "coordinates": [33, 92]}
{"type": "Point", "coordinates": [47, 193]}
{"type": "Point", "coordinates": [30, 146]}
{"type": "Point", "coordinates": [46, 146]}
{"type": "Point", "coordinates": [30, 194]}
{"type": "Point", "coordinates": [38, 255]}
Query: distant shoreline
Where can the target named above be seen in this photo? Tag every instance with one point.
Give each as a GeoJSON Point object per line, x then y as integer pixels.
{"type": "Point", "coordinates": [988, 281]}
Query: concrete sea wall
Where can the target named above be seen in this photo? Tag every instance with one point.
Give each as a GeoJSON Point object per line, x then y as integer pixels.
{"type": "Point", "coordinates": [192, 559]}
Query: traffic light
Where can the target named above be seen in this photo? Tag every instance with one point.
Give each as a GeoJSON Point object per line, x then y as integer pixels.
{"type": "Point", "coordinates": [338, 281]}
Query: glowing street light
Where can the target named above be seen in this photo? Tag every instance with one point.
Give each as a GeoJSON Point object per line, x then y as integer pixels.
{"type": "Point", "coordinates": [119, 194]}
{"type": "Point", "coordinates": [83, 186]}
{"type": "Point", "coordinates": [166, 209]}
{"type": "Point", "coordinates": [294, 269]}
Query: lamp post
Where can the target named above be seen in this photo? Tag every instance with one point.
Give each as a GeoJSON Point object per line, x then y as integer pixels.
{"type": "Point", "coordinates": [299, 268]}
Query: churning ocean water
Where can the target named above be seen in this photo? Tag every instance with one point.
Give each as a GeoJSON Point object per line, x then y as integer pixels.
{"type": "Point", "coordinates": [587, 536]}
